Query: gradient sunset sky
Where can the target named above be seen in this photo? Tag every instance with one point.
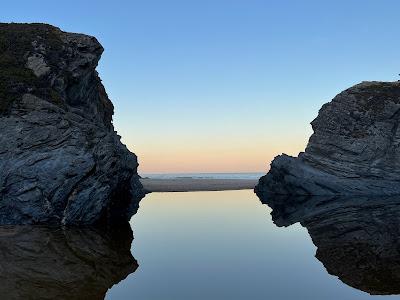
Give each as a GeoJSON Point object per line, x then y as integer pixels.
{"type": "Point", "coordinates": [225, 85]}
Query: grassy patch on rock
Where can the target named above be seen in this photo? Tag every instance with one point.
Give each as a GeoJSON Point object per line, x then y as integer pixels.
{"type": "Point", "coordinates": [16, 44]}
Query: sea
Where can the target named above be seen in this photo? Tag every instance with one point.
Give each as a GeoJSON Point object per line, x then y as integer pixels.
{"type": "Point", "coordinates": [249, 175]}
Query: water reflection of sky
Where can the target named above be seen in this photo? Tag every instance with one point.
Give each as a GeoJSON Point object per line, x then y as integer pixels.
{"type": "Point", "coordinates": [222, 245]}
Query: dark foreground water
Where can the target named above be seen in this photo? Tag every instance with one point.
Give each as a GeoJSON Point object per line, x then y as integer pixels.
{"type": "Point", "coordinates": [211, 245]}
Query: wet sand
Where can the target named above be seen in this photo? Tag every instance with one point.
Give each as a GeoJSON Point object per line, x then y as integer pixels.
{"type": "Point", "coordinates": [191, 184]}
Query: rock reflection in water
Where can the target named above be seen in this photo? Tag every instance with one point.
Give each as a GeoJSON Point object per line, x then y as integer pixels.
{"type": "Point", "coordinates": [357, 239]}
{"type": "Point", "coordinates": [54, 263]}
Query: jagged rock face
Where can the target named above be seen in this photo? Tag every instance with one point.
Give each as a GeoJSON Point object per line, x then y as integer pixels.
{"type": "Point", "coordinates": [354, 149]}
{"type": "Point", "coordinates": [61, 162]}
{"type": "Point", "coordinates": [357, 238]}
{"type": "Point", "coordinates": [51, 263]}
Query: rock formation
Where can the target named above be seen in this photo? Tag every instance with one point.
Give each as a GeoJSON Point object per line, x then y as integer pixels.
{"type": "Point", "coordinates": [355, 148]}
{"type": "Point", "coordinates": [356, 238]}
{"type": "Point", "coordinates": [37, 262]}
{"type": "Point", "coordinates": [61, 162]}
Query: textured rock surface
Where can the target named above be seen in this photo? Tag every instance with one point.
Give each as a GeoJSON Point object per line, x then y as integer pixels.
{"type": "Point", "coordinates": [61, 162]}
{"type": "Point", "coordinates": [357, 238]}
{"type": "Point", "coordinates": [49, 263]}
{"type": "Point", "coordinates": [354, 148]}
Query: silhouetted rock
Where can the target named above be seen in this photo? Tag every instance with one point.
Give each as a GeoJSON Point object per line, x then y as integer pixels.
{"type": "Point", "coordinates": [357, 238]}
{"type": "Point", "coordinates": [49, 263]}
{"type": "Point", "coordinates": [61, 162]}
{"type": "Point", "coordinates": [354, 149]}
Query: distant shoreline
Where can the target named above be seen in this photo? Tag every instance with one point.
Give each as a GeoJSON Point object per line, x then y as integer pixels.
{"type": "Point", "coordinates": [192, 184]}
{"type": "Point", "coordinates": [212, 175]}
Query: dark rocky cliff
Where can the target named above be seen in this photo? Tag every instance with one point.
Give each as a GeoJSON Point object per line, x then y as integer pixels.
{"type": "Point", "coordinates": [355, 148]}
{"type": "Point", "coordinates": [61, 162]}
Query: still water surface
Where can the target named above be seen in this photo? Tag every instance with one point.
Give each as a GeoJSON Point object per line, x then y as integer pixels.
{"type": "Point", "coordinates": [222, 245]}
{"type": "Point", "coordinates": [212, 245]}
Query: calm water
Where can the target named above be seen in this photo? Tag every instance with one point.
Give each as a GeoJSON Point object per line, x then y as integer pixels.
{"type": "Point", "coordinates": [210, 245]}
{"type": "Point", "coordinates": [222, 245]}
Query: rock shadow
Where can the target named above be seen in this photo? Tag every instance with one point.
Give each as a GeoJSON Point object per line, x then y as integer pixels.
{"type": "Point", "coordinates": [357, 238]}
{"type": "Point", "coordinates": [39, 262]}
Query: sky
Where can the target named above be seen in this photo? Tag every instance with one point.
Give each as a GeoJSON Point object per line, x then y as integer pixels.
{"type": "Point", "coordinates": [225, 85]}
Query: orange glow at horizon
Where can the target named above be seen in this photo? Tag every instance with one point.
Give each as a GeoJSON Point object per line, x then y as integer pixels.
{"type": "Point", "coordinates": [223, 156]}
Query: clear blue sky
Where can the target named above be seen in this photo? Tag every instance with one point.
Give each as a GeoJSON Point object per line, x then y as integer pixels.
{"type": "Point", "coordinates": [225, 85]}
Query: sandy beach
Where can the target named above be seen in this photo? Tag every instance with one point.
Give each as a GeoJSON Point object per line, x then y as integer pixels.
{"type": "Point", "coordinates": [196, 184]}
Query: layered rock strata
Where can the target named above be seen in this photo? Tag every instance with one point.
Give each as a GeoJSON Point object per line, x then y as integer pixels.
{"type": "Point", "coordinates": [355, 148]}
{"type": "Point", "coordinates": [61, 162]}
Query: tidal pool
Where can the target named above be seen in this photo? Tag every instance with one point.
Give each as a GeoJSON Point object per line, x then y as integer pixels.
{"type": "Point", "coordinates": [223, 245]}
{"type": "Point", "coordinates": [213, 245]}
